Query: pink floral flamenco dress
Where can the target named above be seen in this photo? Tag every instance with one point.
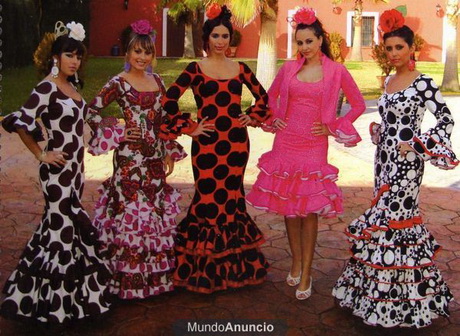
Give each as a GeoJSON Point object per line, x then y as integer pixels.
{"type": "Point", "coordinates": [135, 215]}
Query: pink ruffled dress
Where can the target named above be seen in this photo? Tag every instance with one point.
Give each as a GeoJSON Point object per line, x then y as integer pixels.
{"type": "Point", "coordinates": [295, 178]}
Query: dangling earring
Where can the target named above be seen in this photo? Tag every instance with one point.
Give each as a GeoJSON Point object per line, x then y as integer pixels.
{"type": "Point", "coordinates": [149, 69]}
{"type": "Point", "coordinates": [76, 77]}
{"type": "Point", "coordinates": [55, 69]}
{"type": "Point", "coordinates": [298, 55]}
{"type": "Point", "coordinates": [127, 67]}
{"type": "Point", "coordinates": [411, 64]}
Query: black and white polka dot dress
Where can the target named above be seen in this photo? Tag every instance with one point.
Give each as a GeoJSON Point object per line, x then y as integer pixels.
{"type": "Point", "coordinates": [59, 277]}
{"type": "Point", "coordinates": [391, 279]}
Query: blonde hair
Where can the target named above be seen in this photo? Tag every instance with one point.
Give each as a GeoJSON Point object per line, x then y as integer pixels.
{"type": "Point", "coordinates": [146, 42]}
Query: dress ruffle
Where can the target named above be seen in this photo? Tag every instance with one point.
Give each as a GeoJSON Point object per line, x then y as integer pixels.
{"type": "Point", "coordinates": [138, 244]}
{"type": "Point", "coordinates": [58, 286]}
{"type": "Point", "coordinates": [296, 188]}
{"type": "Point", "coordinates": [20, 120]}
{"type": "Point", "coordinates": [344, 132]}
{"type": "Point", "coordinates": [391, 279]}
{"type": "Point", "coordinates": [216, 257]}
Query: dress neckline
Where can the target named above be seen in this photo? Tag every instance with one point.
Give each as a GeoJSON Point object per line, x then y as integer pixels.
{"type": "Point", "coordinates": [62, 92]}
{"type": "Point", "coordinates": [223, 79]}
{"type": "Point", "coordinates": [319, 81]}
{"type": "Point", "coordinates": [133, 88]}
{"type": "Point", "coordinates": [404, 89]}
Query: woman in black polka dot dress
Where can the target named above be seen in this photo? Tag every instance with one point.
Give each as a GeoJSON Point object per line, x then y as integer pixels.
{"type": "Point", "coordinates": [59, 277]}
{"type": "Point", "coordinates": [217, 243]}
{"type": "Point", "coordinates": [391, 279]}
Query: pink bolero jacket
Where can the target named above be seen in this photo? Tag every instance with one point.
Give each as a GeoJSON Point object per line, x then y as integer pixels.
{"type": "Point", "coordinates": [335, 77]}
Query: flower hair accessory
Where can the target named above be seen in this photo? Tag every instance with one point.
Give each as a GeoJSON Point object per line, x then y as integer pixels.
{"type": "Point", "coordinates": [142, 27]}
{"type": "Point", "coordinates": [304, 15]}
{"type": "Point", "coordinates": [74, 30]}
{"type": "Point", "coordinates": [391, 20]}
{"type": "Point", "coordinates": [213, 11]}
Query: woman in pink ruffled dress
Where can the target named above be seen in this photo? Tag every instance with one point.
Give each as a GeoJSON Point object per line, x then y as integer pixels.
{"type": "Point", "coordinates": [295, 179]}
{"type": "Point", "coordinates": [135, 215]}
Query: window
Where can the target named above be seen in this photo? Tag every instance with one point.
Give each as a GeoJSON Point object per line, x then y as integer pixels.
{"type": "Point", "coordinates": [369, 29]}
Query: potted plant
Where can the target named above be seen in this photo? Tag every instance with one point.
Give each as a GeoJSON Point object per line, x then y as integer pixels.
{"type": "Point", "coordinates": [234, 43]}
{"type": "Point", "coordinates": [419, 42]}
{"type": "Point", "coordinates": [336, 42]}
{"type": "Point", "coordinates": [380, 57]}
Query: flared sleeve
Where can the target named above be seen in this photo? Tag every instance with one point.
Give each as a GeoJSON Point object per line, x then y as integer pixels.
{"type": "Point", "coordinates": [342, 128]}
{"type": "Point", "coordinates": [274, 95]}
{"type": "Point", "coordinates": [107, 133]}
{"type": "Point", "coordinates": [175, 122]}
{"type": "Point", "coordinates": [172, 147]}
{"type": "Point", "coordinates": [259, 111]}
{"type": "Point", "coordinates": [25, 118]}
{"type": "Point", "coordinates": [434, 144]}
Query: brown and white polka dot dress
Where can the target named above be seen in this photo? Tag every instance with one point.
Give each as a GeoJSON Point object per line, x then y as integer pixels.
{"type": "Point", "coordinates": [59, 277]}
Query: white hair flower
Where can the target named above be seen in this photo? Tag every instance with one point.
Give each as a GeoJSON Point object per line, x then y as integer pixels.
{"type": "Point", "coordinates": [76, 31]}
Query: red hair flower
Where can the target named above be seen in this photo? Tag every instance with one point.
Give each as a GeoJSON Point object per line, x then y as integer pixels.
{"type": "Point", "coordinates": [305, 15]}
{"type": "Point", "coordinates": [213, 11]}
{"type": "Point", "coordinates": [391, 20]}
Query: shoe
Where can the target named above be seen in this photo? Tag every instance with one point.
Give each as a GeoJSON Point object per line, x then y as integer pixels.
{"type": "Point", "coordinates": [303, 295]}
{"type": "Point", "coordinates": [293, 281]}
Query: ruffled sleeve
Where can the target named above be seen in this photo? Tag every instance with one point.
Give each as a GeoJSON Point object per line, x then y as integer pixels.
{"type": "Point", "coordinates": [107, 133]}
{"type": "Point", "coordinates": [435, 145]}
{"type": "Point", "coordinates": [260, 110]}
{"type": "Point", "coordinates": [175, 122]}
{"type": "Point", "coordinates": [172, 147]}
{"type": "Point", "coordinates": [26, 117]}
{"type": "Point", "coordinates": [342, 128]}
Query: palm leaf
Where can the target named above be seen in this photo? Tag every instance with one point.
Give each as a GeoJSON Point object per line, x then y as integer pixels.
{"type": "Point", "coordinates": [244, 11]}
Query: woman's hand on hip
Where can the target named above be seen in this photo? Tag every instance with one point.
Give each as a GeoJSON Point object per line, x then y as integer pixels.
{"type": "Point", "coordinates": [404, 148]}
{"type": "Point", "coordinates": [54, 158]}
{"type": "Point", "coordinates": [203, 128]}
{"type": "Point", "coordinates": [319, 129]}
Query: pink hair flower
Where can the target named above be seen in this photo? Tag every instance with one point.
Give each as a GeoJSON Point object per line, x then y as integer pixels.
{"type": "Point", "coordinates": [142, 27]}
{"type": "Point", "coordinates": [305, 15]}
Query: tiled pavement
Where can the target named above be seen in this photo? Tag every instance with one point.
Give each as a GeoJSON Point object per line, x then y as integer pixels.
{"type": "Point", "coordinates": [21, 205]}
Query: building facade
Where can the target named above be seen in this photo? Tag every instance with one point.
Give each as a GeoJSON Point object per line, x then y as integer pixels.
{"type": "Point", "coordinates": [425, 17]}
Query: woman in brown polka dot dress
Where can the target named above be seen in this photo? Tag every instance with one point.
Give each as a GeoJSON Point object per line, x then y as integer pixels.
{"type": "Point", "coordinates": [59, 277]}
{"type": "Point", "coordinates": [217, 244]}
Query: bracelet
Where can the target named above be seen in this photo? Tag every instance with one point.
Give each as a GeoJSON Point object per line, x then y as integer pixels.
{"type": "Point", "coordinates": [42, 155]}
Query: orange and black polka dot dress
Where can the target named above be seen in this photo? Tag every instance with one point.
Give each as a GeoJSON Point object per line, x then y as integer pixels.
{"type": "Point", "coordinates": [217, 243]}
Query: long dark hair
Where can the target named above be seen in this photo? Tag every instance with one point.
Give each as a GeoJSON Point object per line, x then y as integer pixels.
{"type": "Point", "coordinates": [318, 30]}
{"type": "Point", "coordinates": [404, 32]}
{"type": "Point", "coordinates": [209, 25]}
{"type": "Point", "coordinates": [63, 44]}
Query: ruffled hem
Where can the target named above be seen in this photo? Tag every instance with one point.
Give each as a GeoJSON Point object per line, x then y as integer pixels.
{"type": "Point", "coordinates": [435, 149]}
{"type": "Point", "coordinates": [210, 273]}
{"type": "Point", "coordinates": [177, 125]}
{"type": "Point", "coordinates": [296, 189]}
{"type": "Point", "coordinates": [344, 132]}
{"type": "Point", "coordinates": [105, 139]}
{"type": "Point", "coordinates": [390, 298]}
{"type": "Point", "coordinates": [139, 226]}
{"type": "Point", "coordinates": [218, 241]}
{"type": "Point", "coordinates": [140, 285]}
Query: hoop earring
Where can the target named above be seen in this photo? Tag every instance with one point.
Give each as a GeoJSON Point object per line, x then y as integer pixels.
{"type": "Point", "coordinates": [55, 69]}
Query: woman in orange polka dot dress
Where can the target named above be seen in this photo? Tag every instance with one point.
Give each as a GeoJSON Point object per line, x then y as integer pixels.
{"type": "Point", "coordinates": [217, 243]}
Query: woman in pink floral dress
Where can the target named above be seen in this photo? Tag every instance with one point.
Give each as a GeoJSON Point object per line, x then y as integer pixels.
{"type": "Point", "coordinates": [135, 215]}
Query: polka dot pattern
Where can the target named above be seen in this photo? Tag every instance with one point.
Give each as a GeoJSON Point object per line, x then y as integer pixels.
{"type": "Point", "coordinates": [217, 242]}
{"type": "Point", "coordinates": [391, 279]}
{"type": "Point", "coordinates": [45, 285]}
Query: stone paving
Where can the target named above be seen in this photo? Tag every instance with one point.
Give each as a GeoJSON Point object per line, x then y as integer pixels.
{"type": "Point", "coordinates": [21, 205]}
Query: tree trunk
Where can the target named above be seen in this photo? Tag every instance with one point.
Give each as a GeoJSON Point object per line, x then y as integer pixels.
{"type": "Point", "coordinates": [189, 51]}
{"type": "Point", "coordinates": [450, 79]}
{"type": "Point", "coordinates": [266, 57]}
{"type": "Point", "coordinates": [356, 54]}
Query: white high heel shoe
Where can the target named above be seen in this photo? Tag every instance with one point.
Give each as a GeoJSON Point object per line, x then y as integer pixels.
{"type": "Point", "coordinates": [303, 295]}
{"type": "Point", "coordinates": [293, 281]}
